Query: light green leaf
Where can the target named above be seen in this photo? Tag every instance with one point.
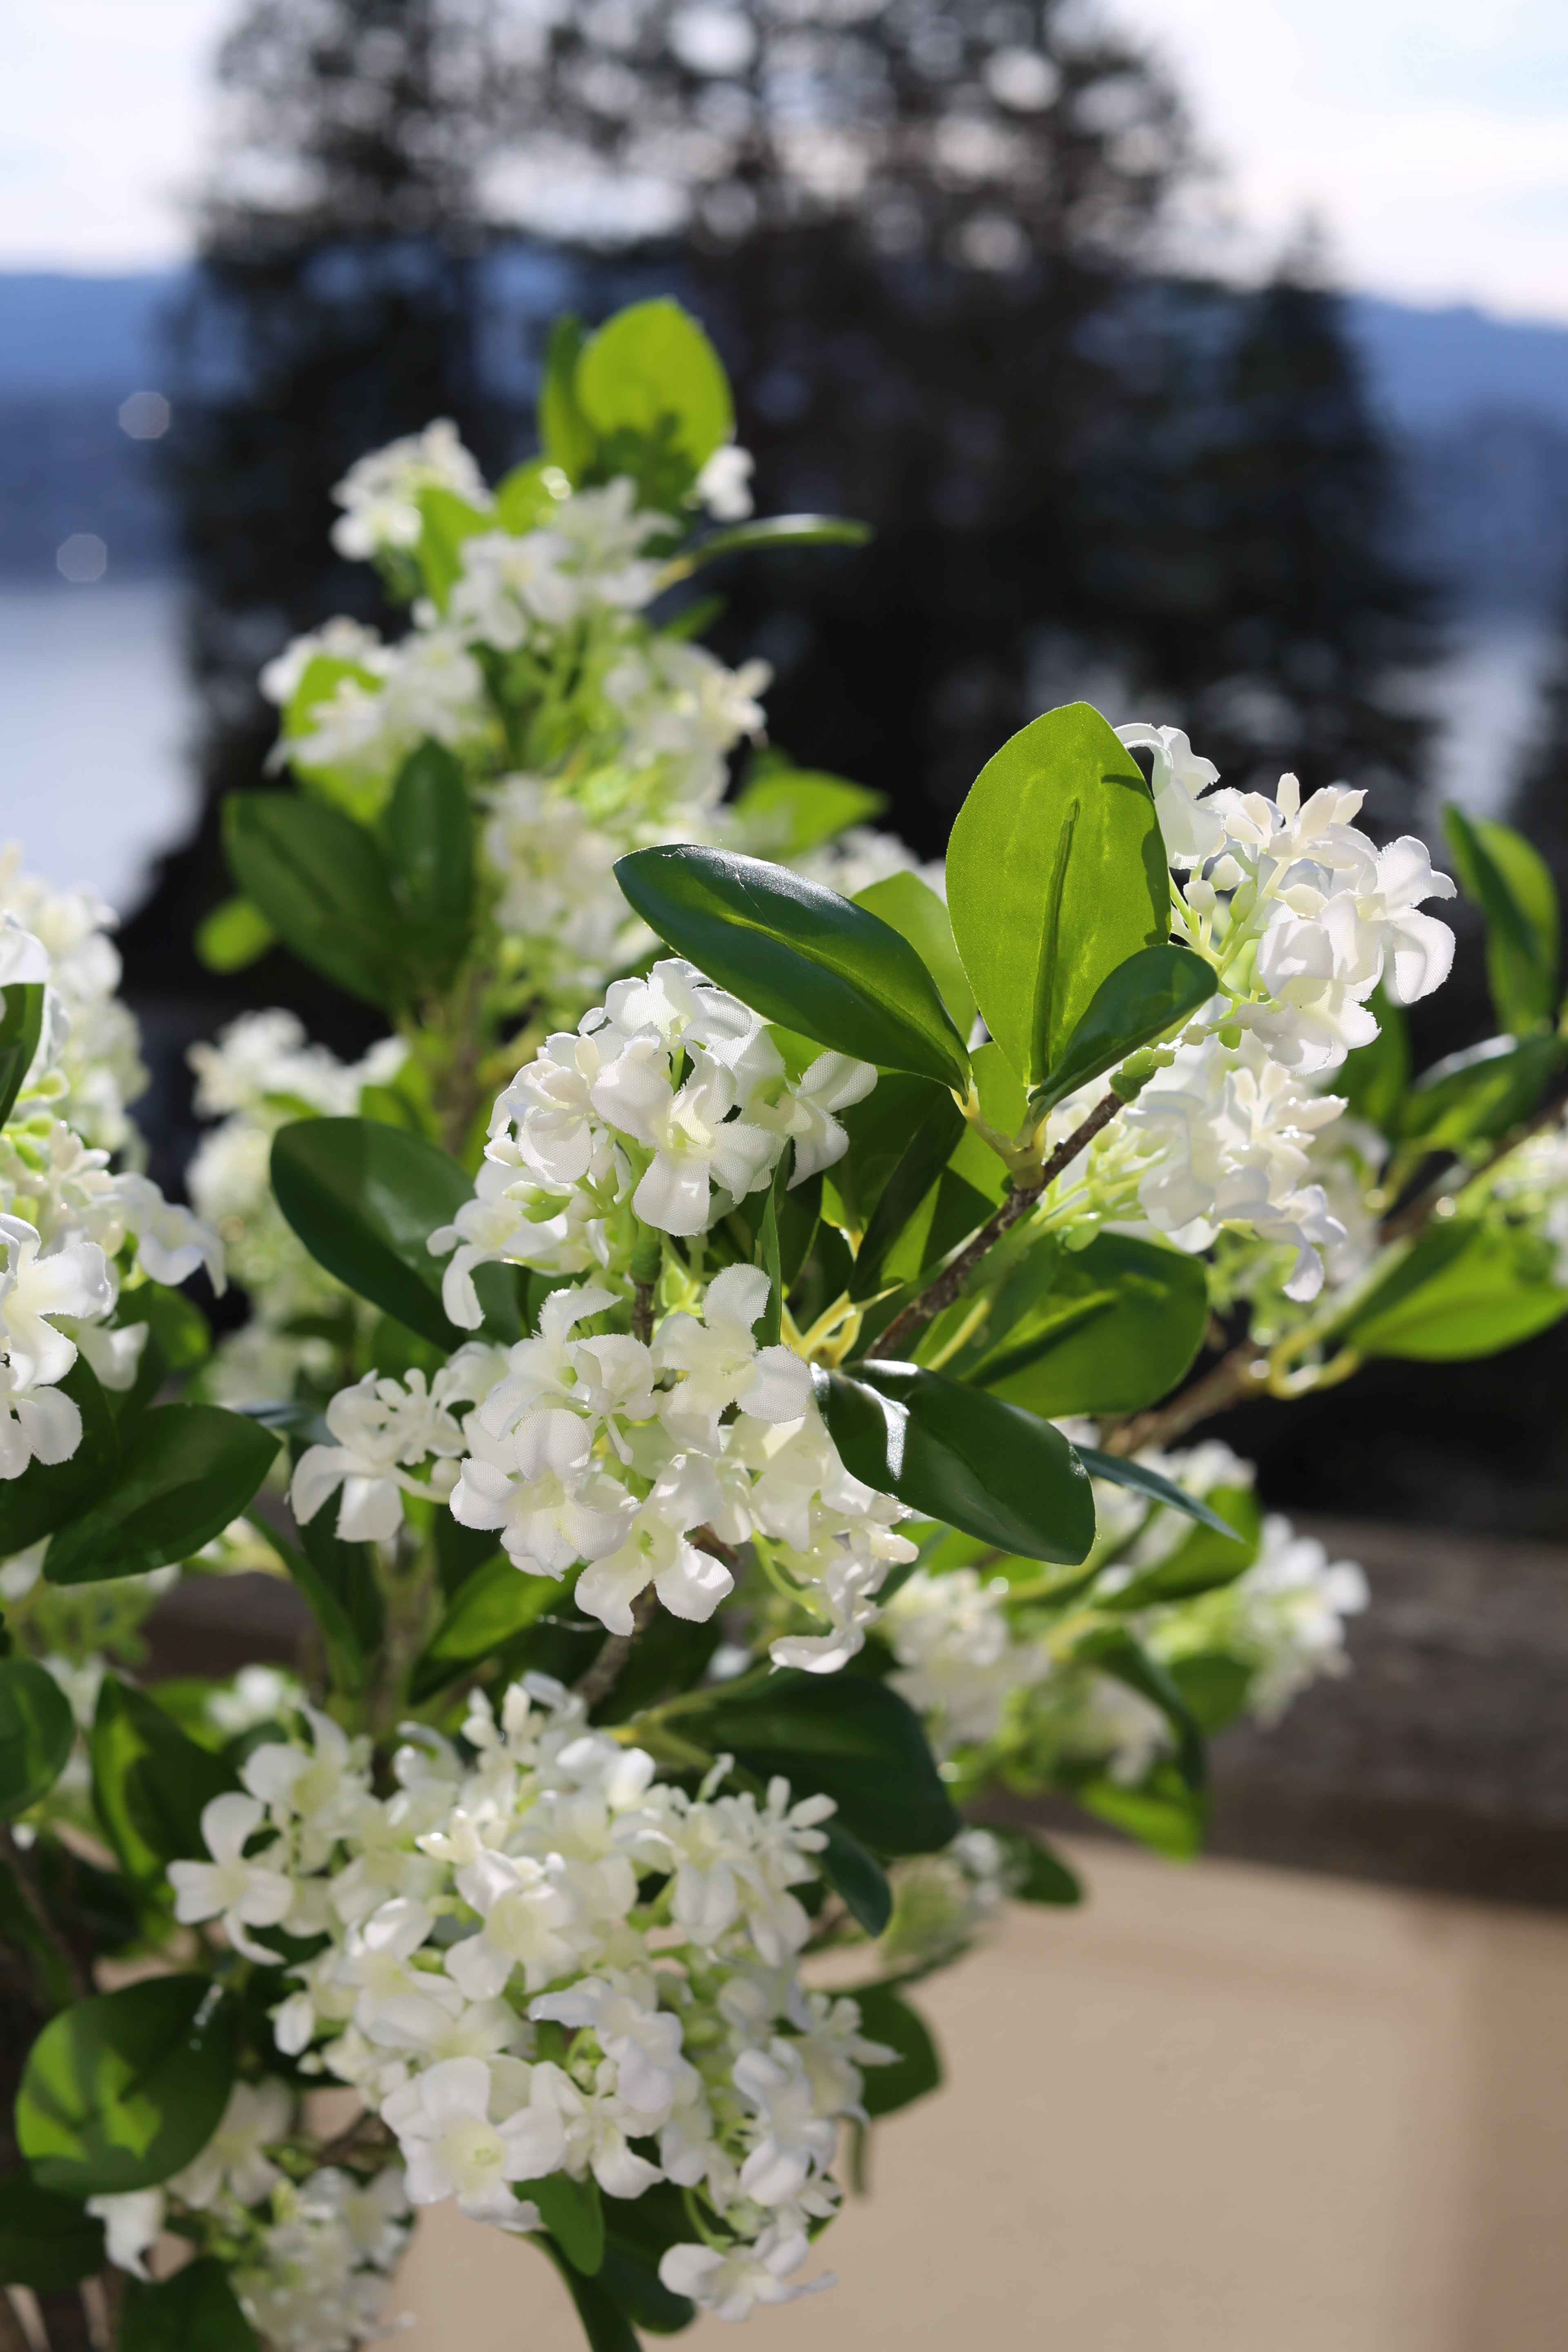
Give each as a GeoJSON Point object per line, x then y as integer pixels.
{"type": "Point", "coordinates": [1374, 1078]}
{"type": "Point", "coordinates": [524, 499]}
{"type": "Point", "coordinates": [1113, 1649]}
{"type": "Point", "coordinates": [1479, 1094]}
{"type": "Point", "coordinates": [843, 1737]}
{"type": "Point", "coordinates": [1461, 1291]}
{"type": "Point", "coordinates": [798, 954]}
{"type": "Point", "coordinates": [564, 433]}
{"type": "Point", "coordinates": [1056, 874]}
{"type": "Point", "coordinates": [913, 910]}
{"type": "Point", "coordinates": [150, 1782]}
{"type": "Point", "coordinates": [185, 1471]}
{"type": "Point", "coordinates": [925, 1158]}
{"type": "Point", "coordinates": [365, 1199]}
{"type": "Point", "coordinates": [37, 1732]}
{"type": "Point", "coordinates": [1205, 1563]}
{"type": "Point", "coordinates": [494, 1605]}
{"type": "Point", "coordinates": [122, 2090]}
{"type": "Point", "coordinates": [1043, 1876]}
{"type": "Point", "coordinates": [234, 935]}
{"type": "Point", "coordinates": [1143, 1001]}
{"type": "Point", "coordinates": [956, 1454]}
{"type": "Point", "coordinates": [786, 810]}
{"type": "Point", "coordinates": [1162, 1812]}
{"type": "Point", "coordinates": [448, 520]}
{"type": "Point", "coordinates": [1514, 890]}
{"type": "Point", "coordinates": [650, 369]}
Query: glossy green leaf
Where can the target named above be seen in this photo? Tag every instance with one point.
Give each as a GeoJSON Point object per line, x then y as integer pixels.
{"type": "Point", "coordinates": [430, 838]}
{"type": "Point", "coordinates": [321, 882]}
{"type": "Point", "coordinates": [37, 1732]}
{"type": "Point", "coordinates": [1113, 1649]}
{"type": "Point", "coordinates": [786, 811]}
{"type": "Point", "coordinates": [1144, 1002]}
{"type": "Point", "coordinates": [1511, 884]}
{"type": "Point", "coordinates": [564, 433]}
{"type": "Point", "coordinates": [843, 1737]}
{"type": "Point", "coordinates": [651, 371]}
{"type": "Point", "coordinates": [926, 1156]}
{"type": "Point", "coordinates": [956, 1454]}
{"type": "Point", "coordinates": [880, 1129]}
{"type": "Point", "coordinates": [778, 531]}
{"type": "Point", "coordinates": [798, 954]}
{"type": "Point", "coordinates": [1056, 874]}
{"type": "Point", "coordinates": [194, 2311]}
{"type": "Point", "coordinates": [913, 910]}
{"type": "Point", "coordinates": [1121, 1471]}
{"type": "Point", "coordinates": [1478, 1094]}
{"type": "Point", "coordinates": [47, 2243]}
{"type": "Point", "coordinates": [917, 2071]}
{"type": "Point", "coordinates": [858, 1876]}
{"type": "Point", "coordinates": [492, 1607]}
{"type": "Point", "coordinates": [122, 2090]}
{"type": "Point", "coordinates": [21, 1025]}
{"type": "Point", "coordinates": [1106, 1329]}
{"type": "Point", "coordinates": [1461, 1291]}
{"type": "Point", "coordinates": [150, 1782]}
{"type": "Point", "coordinates": [1205, 1560]}
{"type": "Point", "coordinates": [346, 1660]}
{"type": "Point", "coordinates": [365, 1199]}
{"type": "Point", "coordinates": [1037, 1876]}
{"type": "Point", "coordinates": [185, 1471]}
{"type": "Point", "coordinates": [49, 1494]}
{"type": "Point", "coordinates": [571, 2210]}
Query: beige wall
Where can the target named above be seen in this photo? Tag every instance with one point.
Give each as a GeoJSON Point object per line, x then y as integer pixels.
{"type": "Point", "coordinates": [1225, 2109]}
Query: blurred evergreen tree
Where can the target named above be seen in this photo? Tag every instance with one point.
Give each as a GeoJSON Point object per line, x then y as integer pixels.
{"type": "Point", "coordinates": [1541, 793]}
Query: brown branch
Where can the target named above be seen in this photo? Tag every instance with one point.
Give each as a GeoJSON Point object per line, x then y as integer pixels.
{"type": "Point", "coordinates": [1415, 1212]}
{"type": "Point", "coordinates": [642, 1312]}
{"type": "Point", "coordinates": [609, 1665]}
{"type": "Point", "coordinates": [1018, 1203]}
{"type": "Point", "coordinates": [1241, 1374]}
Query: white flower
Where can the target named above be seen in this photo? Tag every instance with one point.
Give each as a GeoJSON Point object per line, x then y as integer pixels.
{"type": "Point", "coordinates": [452, 2148]}
{"type": "Point", "coordinates": [690, 1582]}
{"type": "Point", "coordinates": [24, 959]}
{"type": "Point", "coordinates": [244, 1894]}
{"type": "Point", "coordinates": [642, 2040]}
{"type": "Point", "coordinates": [832, 1082]}
{"type": "Point", "coordinates": [43, 1427]}
{"type": "Point", "coordinates": [724, 485]}
{"type": "Point", "coordinates": [132, 2223]}
{"type": "Point", "coordinates": [257, 2116]}
{"type": "Point", "coordinates": [697, 1146]}
{"type": "Point", "coordinates": [381, 1426]}
{"type": "Point", "coordinates": [531, 1916]}
{"type": "Point", "coordinates": [380, 494]}
{"type": "Point", "coordinates": [730, 2283]}
{"type": "Point", "coordinates": [1192, 830]}
{"type": "Point", "coordinates": [542, 1490]}
{"type": "Point", "coordinates": [722, 1365]}
{"type": "Point", "coordinates": [34, 1290]}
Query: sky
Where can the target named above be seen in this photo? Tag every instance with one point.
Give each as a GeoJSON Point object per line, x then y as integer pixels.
{"type": "Point", "coordinates": [1427, 139]}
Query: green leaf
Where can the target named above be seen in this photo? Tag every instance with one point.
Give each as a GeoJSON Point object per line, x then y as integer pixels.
{"type": "Point", "coordinates": [1479, 1094]}
{"type": "Point", "coordinates": [564, 433]}
{"type": "Point", "coordinates": [786, 810]}
{"type": "Point", "coordinates": [234, 935]}
{"type": "Point", "coordinates": [49, 1494]}
{"type": "Point", "coordinates": [430, 840]}
{"type": "Point", "coordinates": [858, 1876]}
{"type": "Point", "coordinates": [956, 1454]}
{"type": "Point", "coordinates": [913, 910]}
{"type": "Point", "coordinates": [347, 1569]}
{"type": "Point", "coordinates": [185, 1471]}
{"type": "Point", "coordinates": [345, 1657]}
{"type": "Point", "coordinates": [1106, 1329]}
{"type": "Point", "coordinates": [1122, 1472]}
{"type": "Point", "coordinates": [637, 2232]}
{"type": "Point", "coordinates": [37, 1732]}
{"type": "Point", "coordinates": [365, 1199]}
{"type": "Point", "coordinates": [798, 954]}
{"type": "Point", "coordinates": [604, 2324]}
{"type": "Point", "coordinates": [492, 1607]}
{"type": "Point", "coordinates": [1461, 1291]}
{"type": "Point", "coordinates": [843, 1737]}
{"type": "Point", "coordinates": [1214, 1685]}
{"type": "Point", "coordinates": [150, 1782]}
{"type": "Point", "coordinates": [523, 497]}
{"type": "Point", "coordinates": [47, 2243]}
{"type": "Point", "coordinates": [1162, 1812]}
{"type": "Point", "coordinates": [122, 2090]}
{"type": "Point", "coordinates": [885, 2018]}
{"type": "Point", "coordinates": [1137, 1004]}
{"type": "Point", "coordinates": [768, 1254]}
{"type": "Point", "coordinates": [194, 2311]}
{"type": "Point", "coordinates": [1509, 882]}
{"type": "Point", "coordinates": [1374, 1078]}
{"type": "Point", "coordinates": [1204, 1561]}
{"type": "Point", "coordinates": [881, 1128]}
{"type": "Point", "coordinates": [778, 531]}
{"type": "Point", "coordinates": [1043, 1877]}
{"type": "Point", "coordinates": [1056, 874]}
{"type": "Point", "coordinates": [651, 371]}
{"type": "Point", "coordinates": [447, 520]}
{"type": "Point", "coordinates": [570, 2209]}
{"type": "Point", "coordinates": [322, 883]}
{"type": "Point", "coordinates": [929, 1150]}
{"type": "Point", "coordinates": [1114, 1652]}
{"type": "Point", "coordinates": [21, 1024]}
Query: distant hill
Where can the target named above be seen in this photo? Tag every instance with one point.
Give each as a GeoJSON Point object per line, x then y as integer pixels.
{"type": "Point", "coordinates": [1433, 368]}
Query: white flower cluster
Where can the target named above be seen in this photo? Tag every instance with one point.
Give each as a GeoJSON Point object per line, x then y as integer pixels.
{"type": "Point", "coordinates": [505, 1989]}
{"type": "Point", "coordinates": [65, 1215]}
{"type": "Point", "coordinates": [313, 2254]}
{"type": "Point", "coordinates": [95, 1065]}
{"type": "Point", "coordinates": [380, 495]}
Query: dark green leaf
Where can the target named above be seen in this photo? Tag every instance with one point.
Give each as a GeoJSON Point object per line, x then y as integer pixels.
{"type": "Point", "coordinates": [918, 914]}
{"type": "Point", "coordinates": [150, 1781]}
{"type": "Point", "coordinates": [768, 1254]}
{"type": "Point", "coordinates": [570, 2209]}
{"type": "Point", "coordinates": [927, 1155]}
{"type": "Point", "coordinates": [1056, 874]}
{"type": "Point", "coordinates": [322, 883]}
{"type": "Point", "coordinates": [1511, 884]}
{"type": "Point", "coordinates": [604, 2324]}
{"type": "Point", "coordinates": [47, 2243]}
{"type": "Point", "coordinates": [185, 1471]}
{"type": "Point", "coordinates": [122, 2090]}
{"type": "Point", "coordinates": [37, 1731]}
{"type": "Point", "coordinates": [786, 810]}
{"type": "Point", "coordinates": [1374, 1078]}
{"type": "Point", "coordinates": [234, 935]}
{"type": "Point", "coordinates": [778, 531]}
{"type": "Point", "coordinates": [880, 1129]}
{"type": "Point", "coordinates": [858, 1876]}
{"type": "Point", "coordinates": [1106, 1329]}
{"type": "Point", "coordinates": [1478, 1094]}
{"type": "Point", "coordinates": [1122, 1472]}
{"type": "Point", "coordinates": [365, 1199]}
{"type": "Point", "coordinates": [887, 2018]}
{"type": "Point", "coordinates": [21, 1024]}
{"type": "Point", "coordinates": [798, 954]}
{"type": "Point", "coordinates": [564, 432]}
{"type": "Point", "coordinates": [1460, 1291]}
{"type": "Point", "coordinates": [1214, 1685]}
{"type": "Point", "coordinates": [194, 2311]}
{"type": "Point", "coordinates": [345, 1658]}
{"type": "Point", "coordinates": [1113, 1649]}
{"type": "Point", "coordinates": [1042, 1876]}
{"type": "Point", "coordinates": [494, 1605]}
{"type": "Point", "coordinates": [1205, 1560]}
{"type": "Point", "coordinates": [430, 838]}
{"type": "Point", "coordinates": [1139, 1003]}
{"type": "Point", "coordinates": [347, 1569]}
{"type": "Point", "coordinates": [651, 369]}
{"type": "Point", "coordinates": [842, 1736]}
{"type": "Point", "coordinates": [49, 1494]}
{"type": "Point", "coordinates": [958, 1456]}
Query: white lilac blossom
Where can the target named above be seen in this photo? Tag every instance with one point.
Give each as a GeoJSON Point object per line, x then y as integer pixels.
{"type": "Point", "coordinates": [380, 495]}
